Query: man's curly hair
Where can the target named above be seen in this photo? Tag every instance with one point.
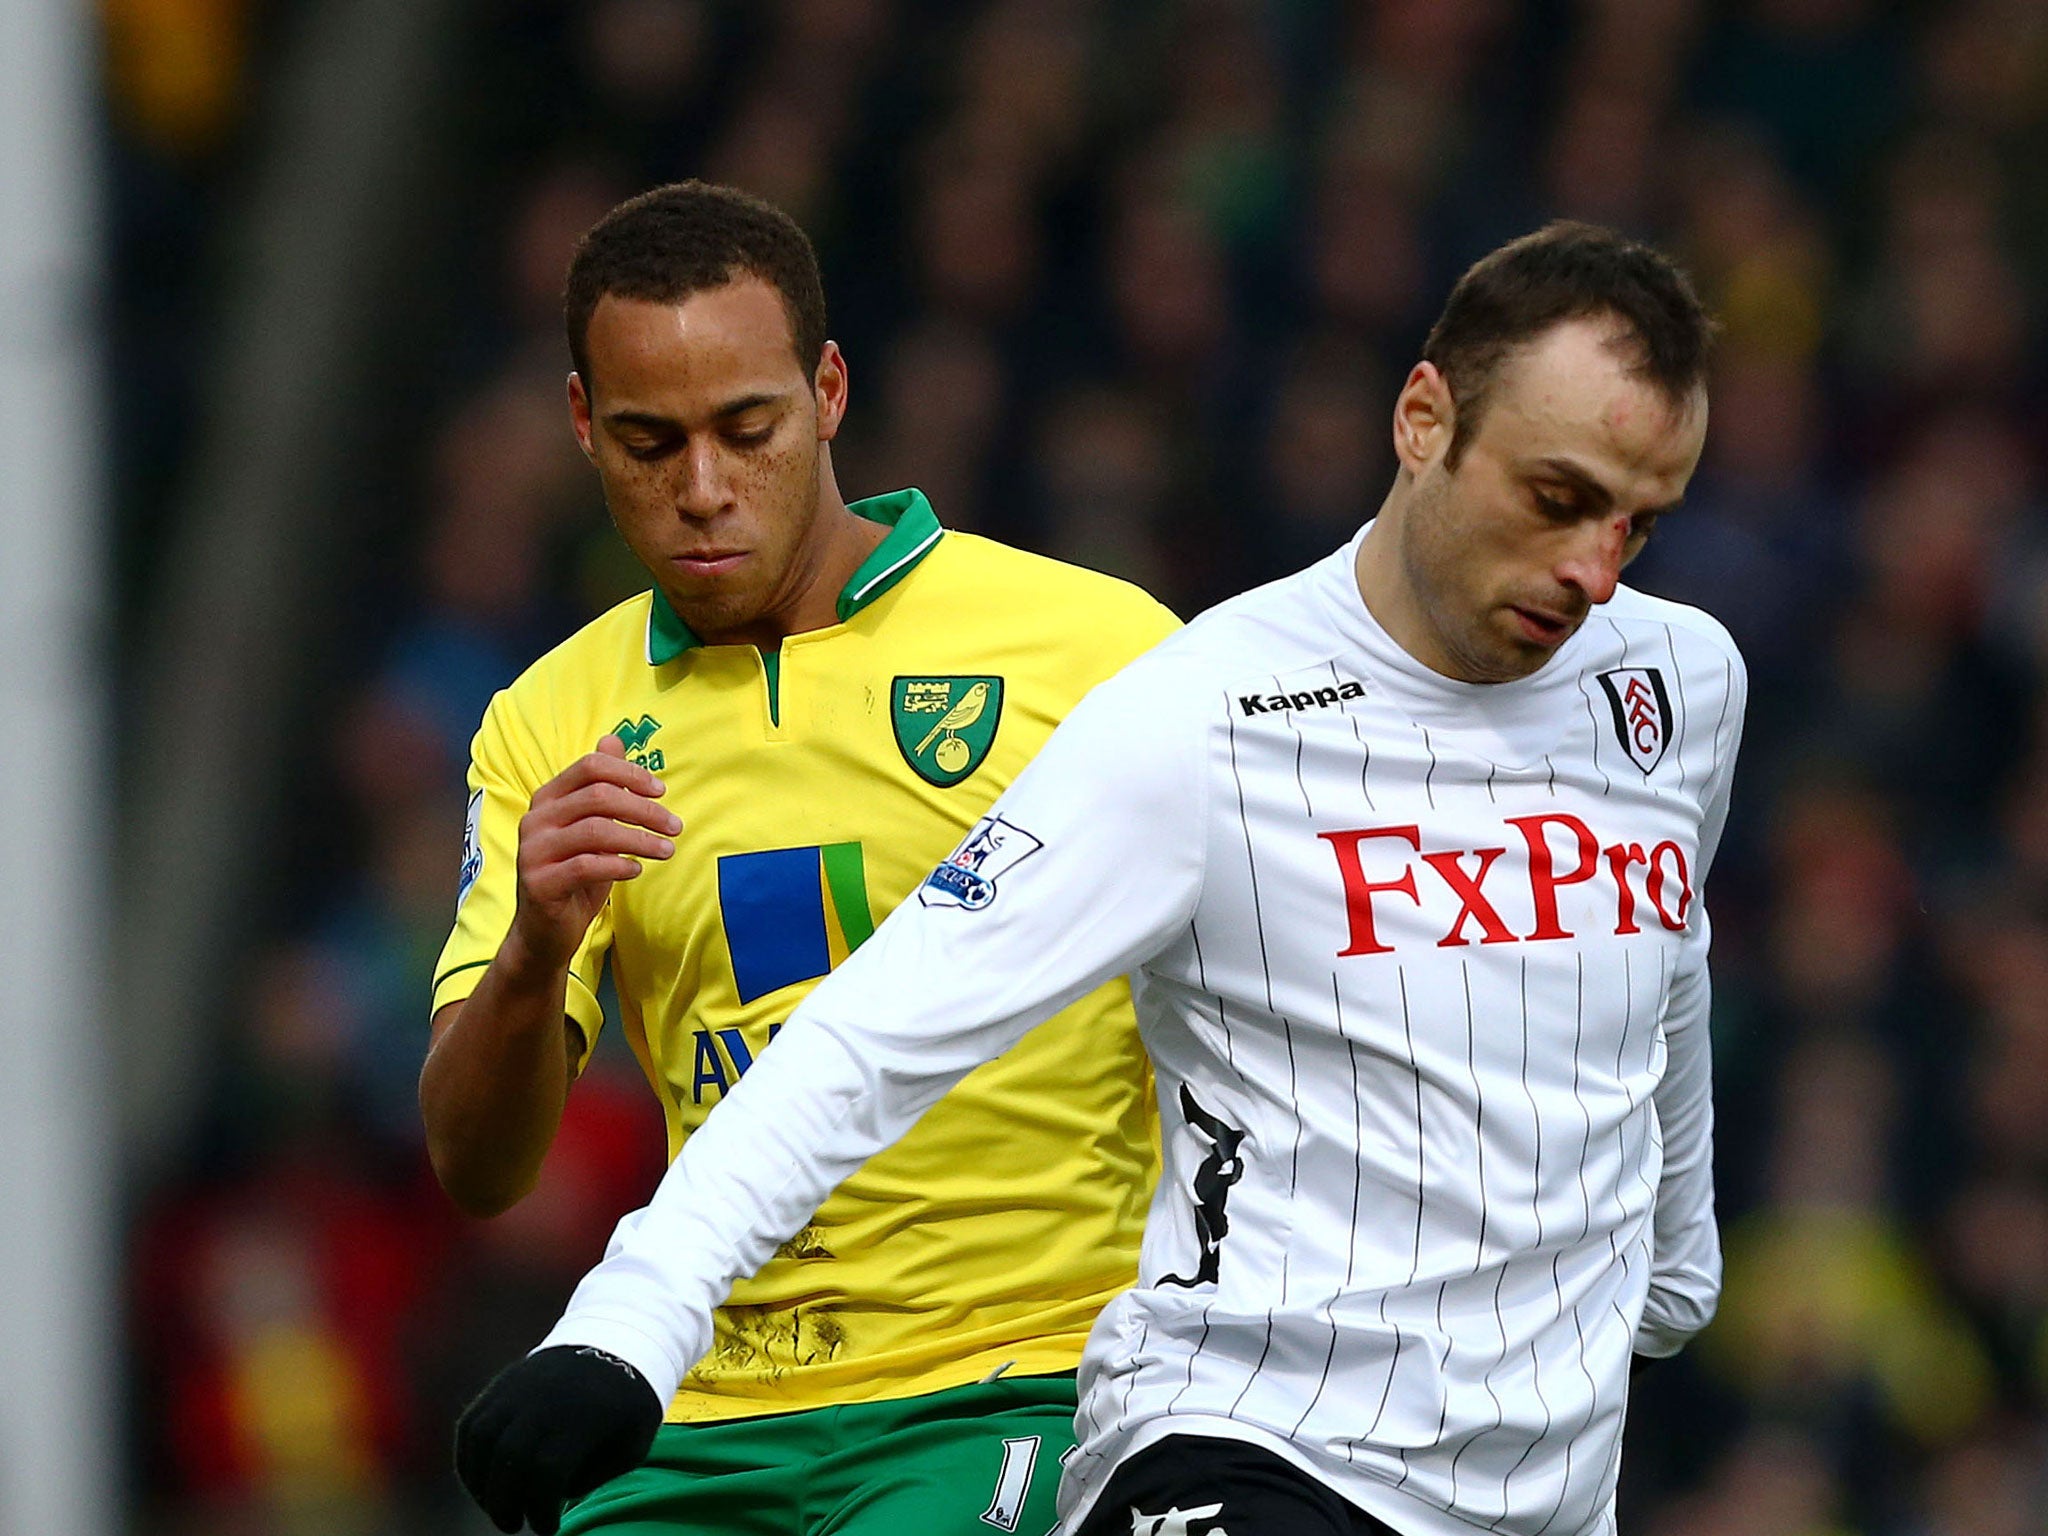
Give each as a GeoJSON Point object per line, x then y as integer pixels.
{"type": "Point", "coordinates": [684, 238]}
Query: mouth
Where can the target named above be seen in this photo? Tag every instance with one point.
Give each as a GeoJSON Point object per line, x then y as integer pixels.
{"type": "Point", "coordinates": [1545, 629]}
{"type": "Point", "coordinates": [708, 562]}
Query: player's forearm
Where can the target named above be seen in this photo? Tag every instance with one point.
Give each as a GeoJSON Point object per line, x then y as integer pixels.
{"type": "Point", "coordinates": [803, 1119]}
{"type": "Point", "coordinates": [1685, 1273]}
{"type": "Point", "coordinates": [987, 947]}
{"type": "Point", "coordinates": [1685, 1269]}
{"type": "Point", "coordinates": [495, 1079]}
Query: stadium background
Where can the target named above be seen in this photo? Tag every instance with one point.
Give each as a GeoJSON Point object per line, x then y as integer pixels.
{"type": "Point", "coordinates": [1132, 283]}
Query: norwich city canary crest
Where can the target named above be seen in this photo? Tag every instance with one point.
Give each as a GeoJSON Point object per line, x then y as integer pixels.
{"type": "Point", "coordinates": [945, 725]}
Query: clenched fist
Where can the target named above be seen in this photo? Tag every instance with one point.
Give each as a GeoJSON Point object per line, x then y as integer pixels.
{"type": "Point", "coordinates": [551, 1428]}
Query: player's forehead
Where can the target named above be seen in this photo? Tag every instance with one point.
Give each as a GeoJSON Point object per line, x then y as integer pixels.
{"type": "Point", "coordinates": [727, 342]}
{"type": "Point", "coordinates": [1572, 393]}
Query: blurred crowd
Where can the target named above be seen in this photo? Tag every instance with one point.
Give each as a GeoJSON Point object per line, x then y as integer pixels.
{"type": "Point", "coordinates": [1134, 282]}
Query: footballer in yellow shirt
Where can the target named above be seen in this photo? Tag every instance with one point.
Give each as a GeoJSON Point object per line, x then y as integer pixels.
{"type": "Point", "coordinates": [816, 790]}
{"type": "Point", "coordinates": [781, 765]}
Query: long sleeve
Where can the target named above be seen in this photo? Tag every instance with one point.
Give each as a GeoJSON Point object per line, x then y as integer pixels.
{"type": "Point", "coordinates": [1685, 1275]}
{"type": "Point", "coordinates": [1086, 867]}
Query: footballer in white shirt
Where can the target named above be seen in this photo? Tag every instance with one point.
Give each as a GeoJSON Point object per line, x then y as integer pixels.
{"type": "Point", "coordinates": [1404, 854]}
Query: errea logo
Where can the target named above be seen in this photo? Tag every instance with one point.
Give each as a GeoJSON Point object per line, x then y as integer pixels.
{"type": "Point", "coordinates": [636, 739]}
{"type": "Point", "coordinates": [1317, 698]}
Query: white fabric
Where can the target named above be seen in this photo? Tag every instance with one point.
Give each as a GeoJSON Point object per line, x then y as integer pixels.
{"type": "Point", "coordinates": [1461, 1145]}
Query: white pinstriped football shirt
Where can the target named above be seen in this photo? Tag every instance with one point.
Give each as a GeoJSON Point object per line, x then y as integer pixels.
{"type": "Point", "coordinates": [1421, 967]}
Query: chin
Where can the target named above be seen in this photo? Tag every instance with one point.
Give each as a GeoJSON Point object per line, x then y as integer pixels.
{"type": "Point", "coordinates": [1509, 663]}
{"type": "Point", "coordinates": [716, 613]}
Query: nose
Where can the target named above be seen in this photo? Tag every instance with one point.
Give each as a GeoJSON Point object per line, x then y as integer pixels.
{"type": "Point", "coordinates": [700, 485]}
{"type": "Point", "coordinates": [1593, 561]}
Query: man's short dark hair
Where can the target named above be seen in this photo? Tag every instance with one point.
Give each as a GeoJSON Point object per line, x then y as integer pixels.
{"type": "Point", "coordinates": [684, 238]}
{"type": "Point", "coordinates": [1568, 271]}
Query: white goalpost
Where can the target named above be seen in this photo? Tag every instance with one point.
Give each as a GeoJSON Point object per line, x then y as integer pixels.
{"type": "Point", "coordinates": [59, 1130]}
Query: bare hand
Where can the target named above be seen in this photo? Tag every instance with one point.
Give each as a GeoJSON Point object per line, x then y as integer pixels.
{"type": "Point", "coordinates": [587, 828]}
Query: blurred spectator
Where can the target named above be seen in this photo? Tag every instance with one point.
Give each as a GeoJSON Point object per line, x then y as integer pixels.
{"type": "Point", "coordinates": [1945, 313]}
{"type": "Point", "coordinates": [1222, 142]}
{"type": "Point", "coordinates": [647, 61]}
{"type": "Point", "coordinates": [1169, 285]}
{"type": "Point", "coordinates": [1996, 1485]}
{"type": "Point", "coordinates": [273, 1303]}
{"type": "Point", "coordinates": [1135, 284]}
{"type": "Point", "coordinates": [1763, 530]}
{"type": "Point", "coordinates": [940, 413]}
{"type": "Point", "coordinates": [1329, 455]}
{"type": "Point", "coordinates": [508, 479]}
{"type": "Point", "coordinates": [1821, 78]}
{"type": "Point", "coordinates": [1367, 263]}
{"type": "Point", "coordinates": [175, 70]}
{"type": "Point", "coordinates": [1106, 470]}
{"type": "Point", "coordinates": [978, 234]}
{"type": "Point", "coordinates": [1775, 1483]}
{"type": "Point", "coordinates": [1024, 76]}
{"type": "Point", "coordinates": [1827, 1300]}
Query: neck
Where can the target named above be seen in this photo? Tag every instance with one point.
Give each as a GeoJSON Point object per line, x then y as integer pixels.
{"type": "Point", "coordinates": [839, 540]}
{"type": "Point", "coordinates": [1388, 593]}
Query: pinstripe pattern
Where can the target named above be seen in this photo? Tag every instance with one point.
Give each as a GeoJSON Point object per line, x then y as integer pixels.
{"type": "Point", "coordinates": [1421, 1193]}
{"type": "Point", "coordinates": [1439, 1249]}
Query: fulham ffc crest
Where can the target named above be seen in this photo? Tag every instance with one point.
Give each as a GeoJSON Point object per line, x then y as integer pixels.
{"type": "Point", "coordinates": [1642, 713]}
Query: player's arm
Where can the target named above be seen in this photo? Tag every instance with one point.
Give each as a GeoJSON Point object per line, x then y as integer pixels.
{"type": "Point", "coordinates": [1096, 866]}
{"type": "Point", "coordinates": [1685, 1271]}
{"type": "Point", "coordinates": [501, 1060]}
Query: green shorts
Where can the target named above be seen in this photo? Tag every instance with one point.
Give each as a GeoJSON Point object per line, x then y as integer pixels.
{"type": "Point", "coordinates": [970, 1461]}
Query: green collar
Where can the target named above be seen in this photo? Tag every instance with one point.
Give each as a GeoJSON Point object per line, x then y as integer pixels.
{"type": "Point", "coordinates": [913, 530]}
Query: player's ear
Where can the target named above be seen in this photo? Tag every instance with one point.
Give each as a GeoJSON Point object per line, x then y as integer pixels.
{"type": "Point", "coordinates": [829, 383]}
{"type": "Point", "coordinates": [1425, 418]}
{"type": "Point", "coordinates": [579, 415]}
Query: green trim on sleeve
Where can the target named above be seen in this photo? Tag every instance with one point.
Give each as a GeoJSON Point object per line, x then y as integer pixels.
{"type": "Point", "coordinates": [457, 970]}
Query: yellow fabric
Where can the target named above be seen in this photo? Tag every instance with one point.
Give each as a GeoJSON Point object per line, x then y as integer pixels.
{"type": "Point", "coordinates": [997, 1230]}
{"type": "Point", "coordinates": [1838, 1293]}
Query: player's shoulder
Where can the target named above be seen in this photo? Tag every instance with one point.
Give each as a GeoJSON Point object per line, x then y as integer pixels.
{"type": "Point", "coordinates": [1019, 587]}
{"type": "Point", "coordinates": [1275, 631]}
{"type": "Point", "coordinates": [1694, 636]}
{"type": "Point", "coordinates": [1280, 627]}
{"type": "Point", "coordinates": [589, 666]}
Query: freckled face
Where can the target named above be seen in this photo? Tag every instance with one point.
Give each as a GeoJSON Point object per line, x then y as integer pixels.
{"type": "Point", "coordinates": [1573, 462]}
{"type": "Point", "coordinates": [706, 433]}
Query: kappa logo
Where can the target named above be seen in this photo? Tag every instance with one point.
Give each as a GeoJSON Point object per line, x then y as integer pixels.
{"type": "Point", "coordinates": [1175, 1521]}
{"type": "Point", "coordinates": [968, 878]}
{"type": "Point", "coordinates": [1308, 698]}
{"type": "Point", "coordinates": [472, 848]}
{"type": "Point", "coordinates": [1642, 713]}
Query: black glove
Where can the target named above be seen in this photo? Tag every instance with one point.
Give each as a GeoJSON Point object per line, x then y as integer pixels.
{"type": "Point", "coordinates": [551, 1428]}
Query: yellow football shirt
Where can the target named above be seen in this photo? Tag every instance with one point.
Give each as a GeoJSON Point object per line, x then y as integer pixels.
{"type": "Point", "coordinates": [817, 786]}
